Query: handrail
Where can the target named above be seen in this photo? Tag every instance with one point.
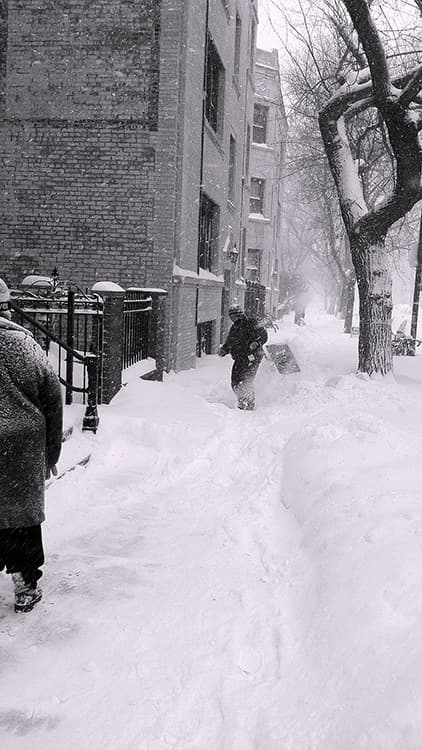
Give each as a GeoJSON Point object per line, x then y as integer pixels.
{"type": "Point", "coordinates": [46, 331]}
{"type": "Point", "coordinates": [75, 388]}
{"type": "Point", "coordinates": [89, 360]}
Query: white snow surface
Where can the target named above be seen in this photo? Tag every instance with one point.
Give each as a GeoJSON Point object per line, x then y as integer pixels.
{"type": "Point", "coordinates": [227, 580]}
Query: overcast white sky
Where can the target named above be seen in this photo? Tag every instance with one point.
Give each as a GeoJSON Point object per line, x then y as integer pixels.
{"type": "Point", "coordinates": [267, 38]}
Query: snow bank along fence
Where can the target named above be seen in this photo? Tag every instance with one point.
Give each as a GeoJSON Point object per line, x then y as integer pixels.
{"type": "Point", "coordinates": [90, 338]}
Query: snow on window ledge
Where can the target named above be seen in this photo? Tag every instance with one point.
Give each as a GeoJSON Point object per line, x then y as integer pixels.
{"type": "Point", "coordinates": [259, 217]}
{"type": "Point", "coordinates": [182, 273]}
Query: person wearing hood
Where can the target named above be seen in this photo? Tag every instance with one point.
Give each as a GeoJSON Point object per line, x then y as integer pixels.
{"type": "Point", "coordinates": [31, 426]}
{"type": "Point", "coordinates": [244, 342]}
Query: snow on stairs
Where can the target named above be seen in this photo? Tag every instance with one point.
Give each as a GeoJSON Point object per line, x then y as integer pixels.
{"type": "Point", "coordinates": [73, 455]}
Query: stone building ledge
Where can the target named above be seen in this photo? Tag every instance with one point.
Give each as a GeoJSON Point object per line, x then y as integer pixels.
{"type": "Point", "coordinates": [191, 278]}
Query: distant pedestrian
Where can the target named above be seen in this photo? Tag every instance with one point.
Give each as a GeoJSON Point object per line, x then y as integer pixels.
{"type": "Point", "coordinates": [244, 343]}
{"type": "Point", "coordinates": [30, 444]}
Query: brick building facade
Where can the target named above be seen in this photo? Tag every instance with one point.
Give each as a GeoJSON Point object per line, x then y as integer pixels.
{"type": "Point", "coordinates": [263, 261]}
{"type": "Point", "coordinates": [114, 163]}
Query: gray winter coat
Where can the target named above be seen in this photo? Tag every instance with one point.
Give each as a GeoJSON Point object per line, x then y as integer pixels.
{"type": "Point", "coordinates": [30, 426]}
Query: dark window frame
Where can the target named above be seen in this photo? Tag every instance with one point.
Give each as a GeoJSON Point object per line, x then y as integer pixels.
{"type": "Point", "coordinates": [248, 150]}
{"type": "Point", "coordinates": [252, 45]}
{"type": "Point", "coordinates": [256, 253]}
{"type": "Point", "coordinates": [237, 46]}
{"type": "Point", "coordinates": [209, 229]}
{"type": "Point", "coordinates": [260, 123]}
{"type": "Point", "coordinates": [205, 335]}
{"type": "Point", "coordinates": [257, 197]}
{"type": "Point", "coordinates": [232, 169]}
{"type": "Point", "coordinates": [214, 87]}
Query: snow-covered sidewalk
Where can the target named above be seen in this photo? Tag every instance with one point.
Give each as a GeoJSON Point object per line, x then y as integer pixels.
{"type": "Point", "coordinates": [225, 580]}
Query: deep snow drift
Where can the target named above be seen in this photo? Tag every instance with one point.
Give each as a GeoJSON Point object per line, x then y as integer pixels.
{"type": "Point", "coordinates": [225, 580]}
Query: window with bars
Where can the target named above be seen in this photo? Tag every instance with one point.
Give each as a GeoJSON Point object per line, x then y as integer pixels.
{"type": "Point", "coordinates": [257, 194]}
{"type": "Point", "coordinates": [232, 170]}
{"type": "Point", "coordinates": [260, 119]}
{"type": "Point", "coordinates": [214, 87]}
{"type": "Point", "coordinates": [209, 219]}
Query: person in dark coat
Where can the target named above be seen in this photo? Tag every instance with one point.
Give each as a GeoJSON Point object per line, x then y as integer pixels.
{"type": "Point", "coordinates": [30, 444]}
{"type": "Point", "coordinates": [244, 343]}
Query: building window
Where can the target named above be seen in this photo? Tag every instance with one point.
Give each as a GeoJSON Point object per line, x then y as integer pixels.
{"type": "Point", "coordinates": [205, 336]}
{"type": "Point", "coordinates": [252, 46]}
{"type": "Point", "coordinates": [232, 170]}
{"type": "Point", "coordinates": [248, 150]}
{"type": "Point", "coordinates": [214, 87]}
{"type": "Point", "coordinates": [253, 263]}
{"type": "Point", "coordinates": [256, 203]}
{"type": "Point", "coordinates": [237, 47]}
{"type": "Point", "coordinates": [209, 219]}
{"type": "Point", "coordinates": [260, 119]}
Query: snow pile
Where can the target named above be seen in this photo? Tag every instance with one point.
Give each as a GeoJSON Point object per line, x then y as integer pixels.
{"type": "Point", "coordinates": [354, 485]}
{"type": "Point", "coordinates": [218, 579]}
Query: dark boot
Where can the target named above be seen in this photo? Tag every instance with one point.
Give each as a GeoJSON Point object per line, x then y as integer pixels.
{"type": "Point", "coordinates": [26, 595]}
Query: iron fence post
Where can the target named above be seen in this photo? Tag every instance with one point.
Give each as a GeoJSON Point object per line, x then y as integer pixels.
{"type": "Point", "coordinates": [91, 419]}
{"type": "Point", "coordinates": [70, 342]}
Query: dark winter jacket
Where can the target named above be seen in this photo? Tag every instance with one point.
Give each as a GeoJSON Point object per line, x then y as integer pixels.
{"type": "Point", "coordinates": [30, 426]}
{"type": "Point", "coordinates": [245, 338]}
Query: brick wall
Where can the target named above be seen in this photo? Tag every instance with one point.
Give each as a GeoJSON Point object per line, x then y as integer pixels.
{"type": "Point", "coordinates": [76, 195]}
{"type": "Point", "coordinates": [184, 326]}
{"type": "Point", "coordinates": [75, 153]}
{"type": "Point", "coordinates": [3, 56]}
{"type": "Point", "coordinates": [81, 60]}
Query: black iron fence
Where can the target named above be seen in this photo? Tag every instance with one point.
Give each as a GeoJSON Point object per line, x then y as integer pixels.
{"type": "Point", "coordinates": [136, 327]}
{"type": "Point", "coordinates": [69, 327]}
{"type": "Point", "coordinates": [90, 338]}
{"type": "Point", "coordinates": [255, 300]}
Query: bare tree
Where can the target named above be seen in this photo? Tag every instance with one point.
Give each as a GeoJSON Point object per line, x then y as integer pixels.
{"type": "Point", "coordinates": [397, 102]}
{"type": "Point", "coordinates": [370, 102]}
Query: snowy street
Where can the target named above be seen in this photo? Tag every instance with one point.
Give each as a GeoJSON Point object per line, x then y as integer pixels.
{"type": "Point", "coordinates": [227, 580]}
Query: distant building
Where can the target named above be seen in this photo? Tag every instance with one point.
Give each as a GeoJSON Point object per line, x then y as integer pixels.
{"type": "Point", "coordinates": [124, 132]}
{"type": "Point", "coordinates": [264, 241]}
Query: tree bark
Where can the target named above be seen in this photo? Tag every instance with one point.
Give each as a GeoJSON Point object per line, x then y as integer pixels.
{"type": "Point", "coordinates": [348, 318]}
{"type": "Point", "coordinates": [375, 304]}
{"type": "Point", "coordinates": [417, 289]}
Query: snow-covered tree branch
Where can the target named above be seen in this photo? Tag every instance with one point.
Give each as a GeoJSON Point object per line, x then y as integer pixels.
{"type": "Point", "coordinates": [396, 102]}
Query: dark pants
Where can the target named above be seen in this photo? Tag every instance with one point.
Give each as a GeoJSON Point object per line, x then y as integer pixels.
{"type": "Point", "coordinates": [21, 551]}
{"type": "Point", "coordinates": [242, 378]}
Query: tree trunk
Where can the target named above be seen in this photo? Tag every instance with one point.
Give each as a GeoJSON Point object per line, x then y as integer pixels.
{"type": "Point", "coordinates": [343, 301]}
{"type": "Point", "coordinates": [417, 289]}
{"type": "Point", "coordinates": [348, 318]}
{"type": "Point", "coordinates": [375, 305]}
{"type": "Point", "coordinates": [339, 299]}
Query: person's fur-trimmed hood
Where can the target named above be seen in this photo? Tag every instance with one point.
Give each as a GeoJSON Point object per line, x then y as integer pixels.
{"type": "Point", "coordinates": [11, 326]}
